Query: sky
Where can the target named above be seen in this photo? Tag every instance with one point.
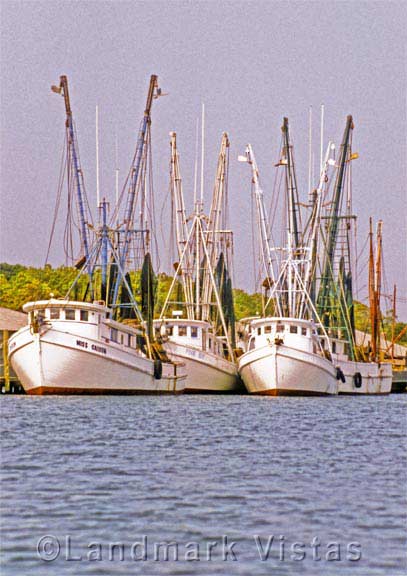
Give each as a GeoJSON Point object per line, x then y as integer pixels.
{"type": "Point", "coordinates": [251, 63]}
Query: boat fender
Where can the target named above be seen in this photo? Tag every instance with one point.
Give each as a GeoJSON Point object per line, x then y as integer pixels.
{"type": "Point", "coordinates": [340, 375]}
{"type": "Point", "coordinates": [158, 369]}
{"type": "Point", "coordinates": [357, 379]}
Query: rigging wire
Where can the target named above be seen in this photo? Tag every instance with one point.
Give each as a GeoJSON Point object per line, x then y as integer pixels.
{"type": "Point", "coordinates": [61, 178]}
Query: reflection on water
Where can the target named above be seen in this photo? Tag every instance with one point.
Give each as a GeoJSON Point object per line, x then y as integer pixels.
{"type": "Point", "coordinates": [240, 485]}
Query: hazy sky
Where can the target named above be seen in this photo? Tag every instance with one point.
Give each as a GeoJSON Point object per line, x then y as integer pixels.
{"type": "Point", "coordinates": [250, 62]}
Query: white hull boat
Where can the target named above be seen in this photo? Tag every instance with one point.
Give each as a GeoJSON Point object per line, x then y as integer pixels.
{"type": "Point", "coordinates": [365, 378]}
{"type": "Point", "coordinates": [73, 348]}
{"type": "Point", "coordinates": [360, 377]}
{"type": "Point", "coordinates": [281, 362]}
{"type": "Point", "coordinates": [207, 370]}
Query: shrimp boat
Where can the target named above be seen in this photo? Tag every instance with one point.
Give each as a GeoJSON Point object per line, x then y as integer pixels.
{"type": "Point", "coordinates": [104, 345]}
{"type": "Point", "coordinates": [196, 323]}
{"type": "Point", "coordinates": [71, 347]}
{"type": "Point", "coordinates": [361, 372]}
{"type": "Point", "coordinates": [288, 352]}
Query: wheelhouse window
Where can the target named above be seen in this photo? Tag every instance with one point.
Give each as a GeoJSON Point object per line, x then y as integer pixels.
{"type": "Point", "coordinates": [267, 329]}
{"type": "Point", "coordinates": [170, 330]}
{"type": "Point", "coordinates": [293, 329]}
{"type": "Point", "coordinates": [182, 330]}
{"type": "Point", "coordinates": [210, 343]}
{"type": "Point", "coordinates": [194, 332]}
{"type": "Point", "coordinates": [334, 347]}
{"type": "Point", "coordinates": [252, 343]}
{"type": "Point", "coordinates": [259, 331]}
{"type": "Point", "coordinates": [114, 334]}
{"type": "Point", "coordinates": [280, 328]}
{"type": "Point", "coordinates": [69, 314]}
{"type": "Point", "coordinates": [54, 313]}
{"type": "Point", "coordinates": [303, 331]}
{"type": "Point", "coordinates": [84, 315]}
{"type": "Point", "coordinates": [129, 340]}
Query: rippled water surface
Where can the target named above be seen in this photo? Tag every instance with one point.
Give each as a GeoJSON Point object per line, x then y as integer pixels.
{"type": "Point", "coordinates": [315, 474]}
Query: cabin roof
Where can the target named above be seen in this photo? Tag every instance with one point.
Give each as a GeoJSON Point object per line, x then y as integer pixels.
{"type": "Point", "coordinates": [256, 321]}
{"type": "Point", "coordinates": [12, 319]}
{"type": "Point", "coordinates": [182, 322]}
{"type": "Point", "coordinates": [55, 303]}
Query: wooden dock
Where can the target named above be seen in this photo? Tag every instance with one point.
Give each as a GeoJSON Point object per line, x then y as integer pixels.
{"type": "Point", "coordinates": [10, 322]}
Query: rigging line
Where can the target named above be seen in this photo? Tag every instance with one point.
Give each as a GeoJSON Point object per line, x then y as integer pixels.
{"type": "Point", "coordinates": [116, 212]}
{"type": "Point", "coordinates": [68, 225]}
{"type": "Point", "coordinates": [359, 256]}
{"type": "Point", "coordinates": [153, 219]}
{"type": "Point", "coordinates": [279, 174]}
{"type": "Point", "coordinates": [61, 179]}
{"type": "Point", "coordinates": [254, 253]}
{"type": "Point", "coordinates": [169, 246]}
{"type": "Point", "coordinates": [88, 211]}
{"type": "Point", "coordinates": [274, 202]}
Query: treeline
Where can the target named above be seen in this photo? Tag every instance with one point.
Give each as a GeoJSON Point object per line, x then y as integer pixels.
{"type": "Point", "coordinates": [20, 284]}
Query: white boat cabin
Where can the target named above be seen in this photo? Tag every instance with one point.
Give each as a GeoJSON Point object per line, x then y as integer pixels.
{"type": "Point", "coordinates": [300, 334]}
{"type": "Point", "coordinates": [192, 333]}
{"type": "Point", "coordinates": [87, 320]}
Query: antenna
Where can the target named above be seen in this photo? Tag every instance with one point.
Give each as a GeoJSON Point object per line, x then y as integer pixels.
{"type": "Point", "coordinates": [97, 157]}
{"type": "Point", "coordinates": [310, 153]}
{"type": "Point", "coordinates": [202, 151]}
{"type": "Point", "coordinates": [322, 139]}
{"type": "Point", "coordinates": [117, 171]}
{"type": "Point", "coordinates": [196, 160]}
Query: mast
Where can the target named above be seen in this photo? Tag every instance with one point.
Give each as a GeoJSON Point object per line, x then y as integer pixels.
{"type": "Point", "coordinates": [291, 186]}
{"type": "Point", "coordinates": [73, 152]}
{"type": "Point", "coordinates": [97, 158]}
{"type": "Point", "coordinates": [181, 226]}
{"type": "Point", "coordinates": [104, 249]}
{"type": "Point", "coordinates": [322, 138]}
{"type": "Point", "coordinates": [136, 176]}
{"type": "Point", "coordinates": [375, 281]}
{"type": "Point", "coordinates": [293, 234]}
{"type": "Point", "coordinates": [372, 294]}
{"type": "Point", "coordinates": [310, 152]}
{"type": "Point", "coordinates": [263, 225]}
{"type": "Point", "coordinates": [216, 221]}
{"type": "Point", "coordinates": [309, 276]}
{"type": "Point", "coordinates": [393, 321]}
{"type": "Point", "coordinates": [117, 176]}
{"type": "Point", "coordinates": [328, 266]}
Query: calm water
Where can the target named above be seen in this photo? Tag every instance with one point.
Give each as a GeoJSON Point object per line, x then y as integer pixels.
{"type": "Point", "coordinates": [92, 472]}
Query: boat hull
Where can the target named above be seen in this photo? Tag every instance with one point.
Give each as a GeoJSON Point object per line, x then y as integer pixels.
{"type": "Point", "coordinates": [53, 363]}
{"type": "Point", "coordinates": [374, 378]}
{"type": "Point", "coordinates": [206, 373]}
{"type": "Point", "coordinates": [279, 370]}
